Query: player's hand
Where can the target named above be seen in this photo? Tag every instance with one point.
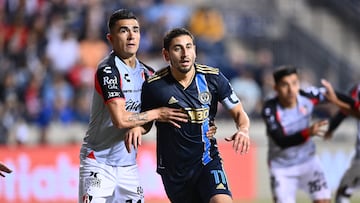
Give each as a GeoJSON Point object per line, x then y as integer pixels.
{"type": "Point", "coordinates": [212, 130]}
{"type": "Point", "coordinates": [172, 116]}
{"type": "Point", "coordinates": [241, 141]}
{"type": "Point", "coordinates": [330, 92]}
{"type": "Point", "coordinates": [133, 138]}
{"type": "Point", "coordinates": [319, 128]}
{"type": "Point", "coordinates": [4, 168]}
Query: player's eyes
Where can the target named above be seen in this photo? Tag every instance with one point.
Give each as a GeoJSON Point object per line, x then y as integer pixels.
{"type": "Point", "coordinates": [123, 30]}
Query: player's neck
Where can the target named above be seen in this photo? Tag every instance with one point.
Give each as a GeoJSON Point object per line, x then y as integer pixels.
{"type": "Point", "coordinates": [287, 105]}
{"type": "Point", "coordinates": [184, 79]}
{"type": "Point", "coordinates": [128, 60]}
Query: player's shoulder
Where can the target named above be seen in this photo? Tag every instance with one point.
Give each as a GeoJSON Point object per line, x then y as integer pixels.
{"type": "Point", "coordinates": [159, 75]}
{"type": "Point", "coordinates": [147, 67]}
{"type": "Point", "coordinates": [108, 62]}
{"type": "Point", "coordinates": [269, 107]}
{"type": "Point", "coordinates": [270, 102]}
{"type": "Point", "coordinates": [205, 69]}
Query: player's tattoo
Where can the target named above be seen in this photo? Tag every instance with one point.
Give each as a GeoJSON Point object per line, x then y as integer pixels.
{"type": "Point", "coordinates": [136, 117]}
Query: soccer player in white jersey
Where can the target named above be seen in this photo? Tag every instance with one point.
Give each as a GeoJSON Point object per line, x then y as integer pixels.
{"type": "Point", "coordinates": [108, 173]}
{"type": "Point", "coordinates": [292, 159]}
{"type": "Point", "coordinates": [350, 181]}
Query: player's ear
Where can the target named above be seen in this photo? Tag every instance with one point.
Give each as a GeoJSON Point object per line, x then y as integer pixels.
{"type": "Point", "coordinates": [165, 54]}
{"type": "Point", "coordinates": [108, 37]}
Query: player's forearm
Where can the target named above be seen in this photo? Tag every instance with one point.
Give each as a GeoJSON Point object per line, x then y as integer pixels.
{"type": "Point", "coordinates": [241, 118]}
{"type": "Point", "coordinates": [131, 120]}
{"type": "Point", "coordinates": [243, 122]}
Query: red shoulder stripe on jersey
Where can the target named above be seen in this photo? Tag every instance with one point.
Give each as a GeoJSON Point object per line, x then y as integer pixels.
{"type": "Point", "coordinates": [91, 155]}
{"type": "Point", "coordinates": [314, 101]}
{"type": "Point", "coordinates": [114, 99]}
{"type": "Point", "coordinates": [305, 133]}
{"type": "Point", "coordinates": [97, 85]}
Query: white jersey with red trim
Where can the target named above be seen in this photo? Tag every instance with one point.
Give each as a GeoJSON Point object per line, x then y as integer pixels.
{"type": "Point", "coordinates": [113, 80]}
{"type": "Point", "coordinates": [287, 129]}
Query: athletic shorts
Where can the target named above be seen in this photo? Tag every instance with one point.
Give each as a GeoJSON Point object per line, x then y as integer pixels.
{"type": "Point", "coordinates": [100, 183]}
{"type": "Point", "coordinates": [204, 184]}
{"type": "Point", "coordinates": [308, 176]}
{"type": "Point", "coordinates": [351, 178]}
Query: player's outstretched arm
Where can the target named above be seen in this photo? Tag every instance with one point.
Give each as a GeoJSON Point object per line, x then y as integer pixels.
{"type": "Point", "coordinates": [241, 139]}
{"type": "Point", "coordinates": [330, 94]}
{"type": "Point", "coordinates": [125, 119]}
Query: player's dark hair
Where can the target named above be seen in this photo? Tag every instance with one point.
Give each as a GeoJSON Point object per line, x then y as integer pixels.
{"type": "Point", "coordinates": [283, 71]}
{"type": "Point", "coordinates": [120, 15]}
{"type": "Point", "coordinates": [173, 34]}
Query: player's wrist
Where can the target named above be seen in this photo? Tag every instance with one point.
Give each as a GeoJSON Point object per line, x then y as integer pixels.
{"type": "Point", "coordinates": [243, 130]}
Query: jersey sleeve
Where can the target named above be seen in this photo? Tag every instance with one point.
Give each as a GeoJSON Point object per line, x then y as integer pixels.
{"type": "Point", "coordinates": [275, 130]}
{"type": "Point", "coordinates": [108, 83]}
{"type": "Point", "coordinates": [336, 120]}
{"type": "Point", "coordinates": [146, 97]}
{"type": "Point", "coordinates": [227, 95]}
{"type": "Point", "coordinates": [353, 98]}
{"type": "Point", "coordinates": [315, 94]}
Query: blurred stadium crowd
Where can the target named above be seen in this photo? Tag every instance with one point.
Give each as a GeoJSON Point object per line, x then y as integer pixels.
{"type": "Point", "coordinates": [49, 50]}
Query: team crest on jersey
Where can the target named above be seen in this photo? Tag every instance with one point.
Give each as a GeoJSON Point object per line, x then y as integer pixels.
{"type": "Point", "coordinates": [303, 110]}
{"type": "Point", "coordinates": [205, 97]}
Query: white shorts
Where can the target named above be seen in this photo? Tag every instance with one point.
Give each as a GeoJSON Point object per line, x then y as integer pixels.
{"type": "Point", "coordinates": [100, 183]}
{"type": "Point", "coordinates": [351, 179]}
{"type": "Point", "coordinates": [308, 176]}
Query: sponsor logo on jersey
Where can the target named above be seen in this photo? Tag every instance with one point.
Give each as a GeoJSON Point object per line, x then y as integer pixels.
{"type": "Point", "coordinates": [107, 70]}
{"type": "Point", "coordinates": [197, 115]}
{"type": "Point", "coordinates": [172, 100]}
{"type": "Point", "coordinates": [113, 94]}
{"type": "Point", "coordinates": [205, 97]}
{"type": "Point", "coordinates": [133, 106]}
{"type": "Point", "coordinates": [127, 77]}
{"type": "Point", "coordinates": [111, 83]}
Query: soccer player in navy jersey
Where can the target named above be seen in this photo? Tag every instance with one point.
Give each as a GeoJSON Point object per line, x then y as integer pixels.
{"type": "Point", "coordinates": [292, 159]}
{"type": "Point", "coordinates": [350, 180]}
{"type": "Point", "coordinates": [108, 173]}
{"type": "Point", "coordinates": [187, 160]}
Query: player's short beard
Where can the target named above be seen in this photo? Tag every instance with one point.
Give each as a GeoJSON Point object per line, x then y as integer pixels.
{"type": "Point", "coordinates": [184, 70]}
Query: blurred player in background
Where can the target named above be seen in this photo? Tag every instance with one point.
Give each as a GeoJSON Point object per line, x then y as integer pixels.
{"type": "Point", "coordinates": [108, 173]}
{"type": "Point", "coordinates": [187, 160]}
{"type": "Point", "coordinates": [292, 159]}
{"type": "Point", "coordinates": [351, 178]}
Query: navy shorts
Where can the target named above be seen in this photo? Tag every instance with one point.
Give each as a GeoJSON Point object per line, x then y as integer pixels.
{"type": "Point", "coordinates": [204, 183]}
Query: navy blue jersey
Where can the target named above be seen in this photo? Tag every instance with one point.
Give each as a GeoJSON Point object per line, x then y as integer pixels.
{"type": "Point", "coordinates": [181, 149]}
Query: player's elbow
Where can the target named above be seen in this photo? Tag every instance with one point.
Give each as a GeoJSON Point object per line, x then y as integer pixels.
{"type": "Point", "coordinates": [121, 124]}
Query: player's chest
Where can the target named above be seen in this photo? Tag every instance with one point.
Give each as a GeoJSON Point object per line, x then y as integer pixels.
{"type": "Point", "coordinates": [193, 96]}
